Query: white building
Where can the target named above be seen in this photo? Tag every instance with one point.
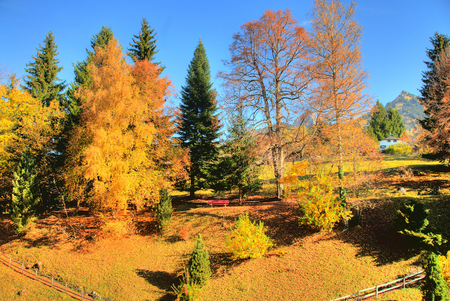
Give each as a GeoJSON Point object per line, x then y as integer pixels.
{"type": "Point", "coordinates": [391, 140]}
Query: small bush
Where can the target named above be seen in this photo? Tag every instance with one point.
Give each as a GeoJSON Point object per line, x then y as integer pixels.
{"type": "Point", "coordinates": [163, 210]}
{"type": "Point", "coordinates": [434, 287]}
{"type": "Point", "coordinates": [186, 291]}
{"type": "Point", "coordinates": [199, 266]}
{"type": "Point", "coordinates": [321, 208]}
{"type": "Point", "coordinates": [248, 239]}
{"type": "Point", "coordinates": [444, 262]}
{"type": "Point", "coordinates": [399, 148]}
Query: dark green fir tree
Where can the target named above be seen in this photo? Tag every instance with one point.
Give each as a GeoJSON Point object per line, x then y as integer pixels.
{"type": "Point", "coordinates": [25, 194]}
{"type": "Point", "coordinates": [199, 128]}
{"type": "Point", "coordinates": [143, 46]}
{"type": "Point", "coordinates": [236, 168]}
{"type": "Point", "coordinates": [435, 287]}
{"type": "Point", "coordinates": [431, 95]}
{"type": "Point", "coordinates": [42, 80]}
{"type": "Point", "coordinates": [395, 124]}
{"type": "Point", "coordinates": [199, 266]}
{"type": "Point", "coordinates": [377, 124]}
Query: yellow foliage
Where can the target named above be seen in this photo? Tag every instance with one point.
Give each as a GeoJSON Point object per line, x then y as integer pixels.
{"type": "Point", "coordinates": [122, 153]}
{"type": "Point", "coordinates": [444, 261]}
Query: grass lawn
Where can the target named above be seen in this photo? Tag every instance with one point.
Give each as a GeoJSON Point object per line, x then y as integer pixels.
{"type": "Point", "coordinates": [304, 265]}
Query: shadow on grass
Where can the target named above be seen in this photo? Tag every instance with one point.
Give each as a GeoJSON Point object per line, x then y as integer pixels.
{"type": "Point", "coordinates": [378, 238]}
{"type": "Point", "coordinates": [161, 280]}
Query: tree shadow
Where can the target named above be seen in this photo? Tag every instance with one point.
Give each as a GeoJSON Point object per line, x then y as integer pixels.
{"type": "Point", "coordinates": [377, 237]}
{"type": "Point", "coordinates": [162, 280]}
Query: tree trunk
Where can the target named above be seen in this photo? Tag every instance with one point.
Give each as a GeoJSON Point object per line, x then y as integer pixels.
{"type": "Point", "coordinates": [278, 166]}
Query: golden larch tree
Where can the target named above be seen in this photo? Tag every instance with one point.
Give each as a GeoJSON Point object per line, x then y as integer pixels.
{"type": "Point", "coordinates": [122, 153]}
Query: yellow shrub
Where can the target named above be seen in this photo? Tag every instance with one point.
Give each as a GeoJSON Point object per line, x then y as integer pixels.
{"type": "Point", "coordinates": [248, 239]}
{"type": "Point", "coordinates": [444, 261]}
{"type": "Point", "coordinates": [116, 228]}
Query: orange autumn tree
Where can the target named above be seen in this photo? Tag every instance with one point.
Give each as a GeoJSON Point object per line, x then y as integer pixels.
{"type": "Point", "coordinates": [122, 153]}
{"type": "Point", "coordinates": [269, 63]}
{"type": "Point", "coordinates": [339, 77]}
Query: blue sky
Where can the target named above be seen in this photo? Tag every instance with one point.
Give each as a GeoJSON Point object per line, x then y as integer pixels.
{"type": "Point", "coordinates": [396, 33]}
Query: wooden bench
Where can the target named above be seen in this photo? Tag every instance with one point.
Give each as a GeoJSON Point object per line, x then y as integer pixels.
{"type": "Point", "coordinates": [218, 202]}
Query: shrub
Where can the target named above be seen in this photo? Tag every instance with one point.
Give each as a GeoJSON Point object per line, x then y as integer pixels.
{"type": "Point", "coordinates": [444, 262]}
{"type": "Point", "coordinates": [116, 228]}
{"type": "Point", "coordinates": [399, 148]}
{"type": "Point", "coordinates": [199, 267]}
{"type": "Point", "coordinates": [248, 239]}
{"type": "Point", "coordinates": [163, 210]}
{"type": "Point", "coordinates": [186, 291]}
{"type": "Point", "coordinates": [434, 287]}
{"type": "Point", "coordinates": [321, 208]}
{"type": "Point", "coordinates": [25, 194]}
{"type": "Point", "coordinates": [412, 220]}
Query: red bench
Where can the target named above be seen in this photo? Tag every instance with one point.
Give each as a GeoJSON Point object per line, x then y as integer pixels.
{"type": "Point", "coordinates": [218, 202]}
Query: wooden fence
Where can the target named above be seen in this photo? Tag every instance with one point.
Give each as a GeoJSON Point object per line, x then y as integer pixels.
{"type": "Point", "coordinates": [383, 288]}
{"type": "Point", "coordinates": [34, 274]}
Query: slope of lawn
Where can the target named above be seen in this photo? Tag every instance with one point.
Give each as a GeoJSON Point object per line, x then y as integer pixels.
{"type": "Point", "coordinates": [305, 265]}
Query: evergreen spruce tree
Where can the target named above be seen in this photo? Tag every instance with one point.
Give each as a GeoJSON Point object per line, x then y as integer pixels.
{"type": "Point", "coordinates": [199, 266]}
{"type": "Point", "coordinates": [199, 128]}
{"type": "Point", "coordinates": [435, 287]}
{"type": "Point", "coordinates": [395, 124]}
{"type": "Point", "coordinates": [377, 125]}
{"type": "Point", "coordinates": [25, 194]}
{"type": "Point", "coordinates": [429, 95]}
{"type": "Point", "coordinates": [144, 44]}
{"type": "Point", "coordinates": [236, 167]}
{"type": "Point", "coordinates": [163, 210]}
{"type": "Point", "coordinates": [42, 81]}
{"type": "Point", "coordinates": [82, 77]}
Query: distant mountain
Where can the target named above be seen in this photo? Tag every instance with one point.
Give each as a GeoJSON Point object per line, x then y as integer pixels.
{"type": "Point", "coordinates": [409, 107]}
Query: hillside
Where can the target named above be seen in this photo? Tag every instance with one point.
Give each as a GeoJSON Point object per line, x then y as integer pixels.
{"type": "Point", "coordinates": [409, 107]}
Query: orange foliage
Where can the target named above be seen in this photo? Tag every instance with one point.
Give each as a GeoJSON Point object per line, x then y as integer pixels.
{"type": "Point", "coordinates": [122, 153]}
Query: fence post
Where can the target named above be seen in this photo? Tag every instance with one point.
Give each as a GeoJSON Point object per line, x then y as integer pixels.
{"type": "Point", "coordinates": [10, 262]}
{"type": "Point", "coordinates": [404, 282]}
{"type": "Point", "coordinates": [36, 274]}
{"type": "Point", "coordinates": [52, 281]}
{"type": "Point", "coordinates": [22, 268]}
{"type": "Point", "coordinates": [376, 291]}
{"type": "Point", "coordinates": [66, 289]}
{"type": "Point", "coordinates": [82, 292]}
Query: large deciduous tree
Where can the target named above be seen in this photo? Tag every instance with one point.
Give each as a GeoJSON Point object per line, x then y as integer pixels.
{"type": "Point", "coordinates": [199, 125]}
{"type": "Point", "coordinates": [122, 151]}
{"type": "Point", "coordinates": [340, 79]}
{"type": "Point", "coordinates": [42, 80]}
{"type": "Point", "coordinates": [269, 63]}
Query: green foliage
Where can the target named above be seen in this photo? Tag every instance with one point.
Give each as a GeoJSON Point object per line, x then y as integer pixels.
{"type": "Point", "coordinates": [385, 123]}
{"type": "Point", "coordinates": [42, 81]}
{"type": "Point", "coordinates": [199, 124]}
{"type": "Point", "coordinates": [186, 290]}
{"type": "Point", "coordinates": [163, 210]}
{"type": "Point", "coordinates": [412, 220]}
{"type": "Point", "coordinates": [25, 195]}
{"type": "Point", "coordinates": [320, 208]}
{"type": "Point", "coordinates": [236, 166]}
{"type": "Point", "coordinates": [433, 88]}
{"type": "Point", "coordinates": [199, 267]}
{"type": "Point", "coordinates": [248, 239]}
{"type": "Point", "coordinates": [144, 44]}
{"type": "Point", "coordinates": [399, 148]}
{"type": "Point", "coordinates": [435, 287]}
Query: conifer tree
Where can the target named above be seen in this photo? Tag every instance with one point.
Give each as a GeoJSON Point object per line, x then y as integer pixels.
{"type": "Point", "coordinates": [377, 125]}
{"type": "Point", "coordinates": [144, 44]}
{"type": "Point", "coordinates": [432, 96]}
{"type": "Point", "coordinates": [25, 194]}
{"type": "Point", "coordinates": [395, 123]}
{"type": "Point", "coordinates": [199, 266]}
{"type": "Point", "coordinates": [435, 287]}
{"type": "Point", "coordinates": [199, 128]}
{"type": "Point", "coordinates": [42, 81]}
{"type": "Point", "coordinates": [236, 167]}
{"type": "Point", "coordinates": [163, 211]}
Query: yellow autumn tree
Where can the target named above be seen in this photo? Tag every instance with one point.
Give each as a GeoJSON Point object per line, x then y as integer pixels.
{"type": "Point", "coordinates": [25, 124]}
{"type": "Point", "coordinates": [122, 153]}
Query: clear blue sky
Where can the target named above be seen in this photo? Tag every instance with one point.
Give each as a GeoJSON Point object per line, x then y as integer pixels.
{"type": "Point", "coordinates": [395, 33]}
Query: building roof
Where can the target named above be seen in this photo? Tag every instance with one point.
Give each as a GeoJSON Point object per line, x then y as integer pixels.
{"type": "Point", "coordinates": [391, 138]}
